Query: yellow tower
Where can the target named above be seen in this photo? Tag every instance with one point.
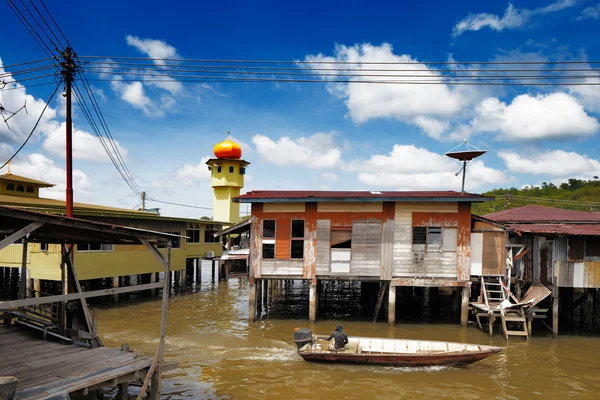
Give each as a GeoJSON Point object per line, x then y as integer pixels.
{"type": "Point", "coordinates": [227, 172]}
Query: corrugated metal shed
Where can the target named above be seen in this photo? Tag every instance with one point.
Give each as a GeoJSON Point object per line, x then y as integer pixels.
{"type": "Point", "coordinates": [543, 214]}
{"type": "Point", "coordinates": [267, 196]}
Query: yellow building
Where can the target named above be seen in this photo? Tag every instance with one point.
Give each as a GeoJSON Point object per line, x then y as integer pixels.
{"type": "Point", "coordinates": [95, 261]}
{"type": "Point", "coordinates": [227, 172]}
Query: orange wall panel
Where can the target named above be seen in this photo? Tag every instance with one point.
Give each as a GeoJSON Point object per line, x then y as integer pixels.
{"type": "Point", "coordinates": [282, 238]}
{"type": "Point", "coordinates": [448, 220]}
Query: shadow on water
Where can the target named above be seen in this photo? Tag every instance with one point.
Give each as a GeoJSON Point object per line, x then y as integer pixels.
{"type": "Point", "coordinates": [223, 356]}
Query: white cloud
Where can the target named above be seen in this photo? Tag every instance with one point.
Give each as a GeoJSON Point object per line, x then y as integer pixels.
{"type": "Point", "coordinates": [410, 167]}
{"type": "Point", "coordinates": [152, 48]}
{"type": "Point", "coordinates": [38, 166]}
{"type": "Point", "coordinates": [6, 151]}
{"type": "Point", "coordinates": [190, 173]}
{"type": "Point", "coordinates": [85, 145]}
{"type": "Point", "coordinates": [328, 176]}
{"type": "Point", "coordinates": [433, 127]}
{"type": "Point", "coordinates": [134, 94]}
{"type": "Point", "coordinates": [550, 116]}
{"type": "Point", "coordinates": [513, 18]}
{"type": "Point", "coordinates": [424, 105]}
{"type": "Point", "coordinates": [557, 163]}
{"type": "Point", "coordinates": [592, 12]}
{"type": "Point", "coordinates": [317, 151]}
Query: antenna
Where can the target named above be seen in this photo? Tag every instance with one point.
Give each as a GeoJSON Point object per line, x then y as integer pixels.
{"type": "Point", "coordinates": [465, 156]}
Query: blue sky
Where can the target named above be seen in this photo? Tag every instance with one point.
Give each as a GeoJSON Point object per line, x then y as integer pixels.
{"type": "Point", "coordinates": [314, 136]}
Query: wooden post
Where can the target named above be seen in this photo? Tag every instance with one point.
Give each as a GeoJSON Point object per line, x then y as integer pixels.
{"type": "Point", "coordinates": [153, 280]}
{"type": "Point", "coordinates": [252, 299]}
{"type": "Point", "coordinates": [265, 292]}
{"type": "Point", "coordinates": [115, 285]}
{"type": "Point", "coordinates": [312, 299]}
{"type": "Point", "coordinates": [464, 306]}
{"type": "Point", "coordinates": [198, 270]}
{"type": "Point", "coordinates": [392, 305]}
{"type": "Point", "coordinates": [259, 292]}
{"type": "Point", "coordinates": [183, 276]}
{"type": "Point", "coordinates": [37, 287]}
{"type": "Point", "coordinates": [213, 269]}
{"type": "Point", "coordinates": [554, 307]}
{"type": "Point", "coordinates": [64, 290]}
{"type": "Point", "coordinates": [23, 281]}
{"type": "Point", "coordinates": [123, 389]}
{"type": "Point", "coordinates": [589, 310]}
{"type": "Point", "coordinates": [154, 394]}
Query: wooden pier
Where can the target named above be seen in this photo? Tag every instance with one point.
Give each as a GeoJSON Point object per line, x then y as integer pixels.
{"type": "Point", "coordinates": [47, 369]}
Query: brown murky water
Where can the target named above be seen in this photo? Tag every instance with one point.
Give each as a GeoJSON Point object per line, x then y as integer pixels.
{"type": "Point", "coordinates": [223, 356]}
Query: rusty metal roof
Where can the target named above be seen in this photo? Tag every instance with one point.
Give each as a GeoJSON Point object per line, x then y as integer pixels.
{"type": "Point", "coordinates": [540, 214]}
{"type": "Point", "coordinates": [558, 229]}
{"type": "Point", "coordinates": [268, 196]}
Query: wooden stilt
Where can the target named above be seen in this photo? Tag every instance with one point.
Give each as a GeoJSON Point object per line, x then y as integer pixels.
{"type": "Point", "coordinates": [37, 287]}
{"type": "Point", "coordinates": [198, 270]}
{"type": "Point", "coordinates": [183, 276]}
{"type": "Point", "coordinates": [589, 310]}
{"type": "Point", "coordinates": [154, 393]}
{"type": "Point", "coordinates": [23, 281]}
{"type": "Point", "coordinates": [259, 292]}
{"type": "Point", "coordinates": [252, 299]}
{"type": "Point", "coordinates": [153, 280]}
{"type": "Point", "coordinates": [554, 307]}
{"type": "Point", "coordinates": [392, 305]}
{"type": "Point", "coordinates": [115, 285]}
{"type": "Point", "coordinates": [123, 389]}
{"type": "Point", "coordinates": [213, 270]}
{"type": "Point", "coordinates": [464, 306]}
{"type": "Point", "coordinates": [265, 292]}
{"type": "Point", "coordinates": [312, 305]}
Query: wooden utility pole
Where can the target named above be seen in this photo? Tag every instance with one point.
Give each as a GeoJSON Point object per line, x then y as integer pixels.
{"type": "Point", "coordinates": [68, 73]}
{"type": "Point", "coordinates": [143, 201]}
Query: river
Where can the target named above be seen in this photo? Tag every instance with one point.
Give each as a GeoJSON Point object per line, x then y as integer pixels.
{"type": "Point", "coordinates": [223, 356]}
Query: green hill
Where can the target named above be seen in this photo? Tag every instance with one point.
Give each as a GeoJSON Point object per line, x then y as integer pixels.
{"type": "Point", "coordinates": [576, 194]}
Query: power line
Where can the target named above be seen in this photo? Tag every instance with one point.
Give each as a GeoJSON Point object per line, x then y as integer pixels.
{"type": "Point", "coordinates": [24, 63]}
{"type": "Point", "coordinates": [55, 24]}
{"type": "Point", "coordinates": [176, 204]}
{"type": "Point", "coordinates": [23, 87]}
{"type": "Point", "coordinates": [336, 62]}
{"type": "Point", "coordinates": [34, 127]}
{"type": "Point", "coordinates": [545, 200]}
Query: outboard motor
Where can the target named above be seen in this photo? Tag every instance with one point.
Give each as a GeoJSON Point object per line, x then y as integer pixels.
{"type": "Point", "coordinates": [302, 336]}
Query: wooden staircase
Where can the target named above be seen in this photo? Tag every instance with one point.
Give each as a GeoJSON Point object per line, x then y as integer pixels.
{"type": "Point", "coordinates": [498, 301]}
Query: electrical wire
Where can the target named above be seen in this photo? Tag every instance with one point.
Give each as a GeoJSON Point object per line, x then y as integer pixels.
{"type": "Point", "coordinates": [34, 127]}
{"type": "Point", "coordinates": [48, 26]}
{"type": "Point", "coordinates": [176, 204]}
{"type": "Point", "coordinates": [55, 24]}
{"type": "Point", "coordinates": [233, 61]}
{"type": "Point", "coordinates": [25, 63]}
{"type": "Point", "coordinates": [24, 87]}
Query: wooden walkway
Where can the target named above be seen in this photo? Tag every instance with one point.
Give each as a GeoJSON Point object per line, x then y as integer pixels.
{"type": "Point", "coordinates": [46, 369]}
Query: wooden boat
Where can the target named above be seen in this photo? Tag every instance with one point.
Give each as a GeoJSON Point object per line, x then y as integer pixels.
{"type": "Point", "coordinates": [395, 352]}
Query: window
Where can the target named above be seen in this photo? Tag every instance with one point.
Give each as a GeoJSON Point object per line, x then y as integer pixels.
{"type": "Point", "coordinates": [43, 246]}
{"type": "Point", "coordinates": [592, 246]}
{"type": "Point", "coordinates": [429, 239]}
{"type": "Point", "coordinates": [175, 242]}
{"type": "Point", "coordinates": [231, 169]}
{"type": "Point", "coordinates": [193, 235]}
{"type": "Point", "coordinates": [209, 234]}
{"type": "Point", "coordinates": [29, 189]}
{"type": "Point", "coordinates": [268, 243]}
{"type": "Point", "coordinates": [576, 248]}
{"type": "Point", "coordinates": [219, 169]}
{"type": "Point", "coordinates": [10, 187]}
{"type": "Point", "coordinates": [341, 249]}
{"type": "Point", "coordinates": [419, 238]}
{"type": "Point", "coordinates": [242, 170]}
{"type": "Point", "coordinates": [297, 242]}
{"type": "Point", "coordinates": [268, 228]}
{"type": "Point", "coordinates": [20, 188]}
{"type": "Point", "coordinates": [94, 247]}
{"type": "Point", "coordinates": [449, 239]}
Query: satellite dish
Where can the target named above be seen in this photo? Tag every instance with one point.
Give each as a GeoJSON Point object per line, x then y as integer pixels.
{"type": "Point", "coordinates": [465, 155]}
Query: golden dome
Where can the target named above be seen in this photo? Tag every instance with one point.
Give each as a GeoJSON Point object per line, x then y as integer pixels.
{"type": "Point", "coordinates": [228, 149]}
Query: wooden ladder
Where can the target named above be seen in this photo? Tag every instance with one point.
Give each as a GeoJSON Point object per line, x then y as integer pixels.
{"type": "Point", "coordinates": [515, 315]}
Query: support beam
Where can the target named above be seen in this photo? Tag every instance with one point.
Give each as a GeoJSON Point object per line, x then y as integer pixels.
{"type": "Point", "coordinates": [37, 287]}
{"type": "Point", "coordinates": [589, 310]}
{"type": "Point", "coordinates": [153, 280]}
{"type": "Point", "coordinates": [554, 307]}
{"type": "Point", "coordinates": [252, 299]}
{"type": "Point", "coordinates": [154, 393]}
{"type": "Point", "coordinates": [392, 305]}
{"type": "Point", "coordinates": [213, 269]}
{"type": "Point", "coordinates": [198, 270]}
{"type": "Point", "coordinates": [313, 299]}
{"type": "Point", "coordinates": [23, 281]}
{"type": "Point", "coordinates": [115, 284]}
{"type": "Point", "coordinates": [19, 234]}
{"type": "Point", "coordinates": [123, 389]}
{"type": "Point", "coordinates": [464, 306]}
{"type": "Point", "coordinates": [259, 295]}
{"type": "Point", "coordinates": [183, 277]}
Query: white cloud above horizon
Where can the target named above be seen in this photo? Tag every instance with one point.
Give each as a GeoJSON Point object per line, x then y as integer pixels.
{"type": "Point", "coordinates": [317, 151]}
{"type": "Point", "coordinates": [511, 19]}
{"type": "Point", "coordinates": [592, 12]}
{"type": "Point", "coordinates": [555, 163]}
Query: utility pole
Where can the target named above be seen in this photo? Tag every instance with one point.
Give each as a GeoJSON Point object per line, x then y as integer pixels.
{"type": "Point", "coordinates": [68, 74]}
{"type": "Point", "coordinates": [506, 202]}
{"type": "Point", "coordinates": [143, 201]}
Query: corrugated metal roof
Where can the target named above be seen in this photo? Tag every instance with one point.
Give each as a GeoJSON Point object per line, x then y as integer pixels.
{"type": "Point", "coordinates": [558, 229]}
{"type": "Point", "coordinates": [266, 196]}
{"type": "Point", "coordinates": [543, 214]}
{"type": "Point", "coordinates": [18, 178]}
{"type": "Point", "coordinates": [52, 206]}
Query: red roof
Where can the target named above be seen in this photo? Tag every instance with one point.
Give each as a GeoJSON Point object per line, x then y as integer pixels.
{"type": "Point", "coordinates": [265, 196]}
{"type": "Point", "coordinates": [543, 214]}
{"type": "Point", "coordinates": [558, 229]}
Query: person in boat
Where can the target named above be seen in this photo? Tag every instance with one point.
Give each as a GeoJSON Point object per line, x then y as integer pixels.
{"type": "Point", "coordinates": [340, 339]}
